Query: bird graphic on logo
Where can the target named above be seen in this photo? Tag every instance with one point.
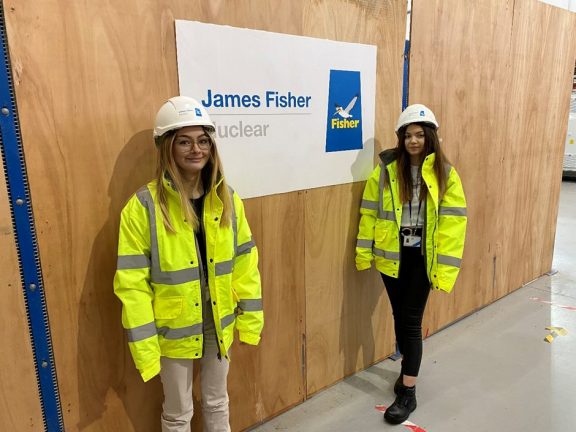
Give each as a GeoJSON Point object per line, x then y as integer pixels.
{"type": "Point", "coordinates": [345, 112]}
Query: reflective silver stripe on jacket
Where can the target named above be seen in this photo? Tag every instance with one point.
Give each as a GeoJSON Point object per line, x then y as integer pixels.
{"type": "Point", "coordinates": [157, 276]}
{"type": "Point", "coordinates": [387, 254]}
{"type": "Point", "coordinates": [141, 332]}
{"type": "Point", "coordinates": [180, 333]}
{"type": "Point", "coordinates": [223, 268]}
{"type": "Point", "coordinates": [250, 305]}
{"type": "Point", "coordinates": [128, 262]}
{"type": "Point", "coordinates": [449, 260]}
{"type": "Point", "coordinates": [452, 211]}
{"type": "Point", "coordinates": [227, 320]}
{"type": "Point", "coordinates": [388, 215]}
{"type": "Point", "coordinates": [148, 330]}
{"type": "Point", "coordinates": [245, 248]}
{"type": "Point", "coordinates": [369, 205]}
{"type": "Point", "coordinates": [175, 277]}
{"type": "Point", "coordinates": [362, 243]}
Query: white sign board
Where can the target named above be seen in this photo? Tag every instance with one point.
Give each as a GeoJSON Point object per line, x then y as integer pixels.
{"type": "Point", "coordinates": [291, 112]}
{"type": "Point", "coordinates": [564, 4]}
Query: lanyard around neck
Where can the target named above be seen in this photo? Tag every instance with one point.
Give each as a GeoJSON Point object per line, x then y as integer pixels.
{"type": "Point", "coordinates": [410, 212]}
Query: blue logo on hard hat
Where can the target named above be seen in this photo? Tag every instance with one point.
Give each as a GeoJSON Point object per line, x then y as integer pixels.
{"type": "Point", "coordinates": [198, 112]}
{"type": "Point", "coordinates": [422, 114]}
{"type": "Point", "coordinates": [344, 119]}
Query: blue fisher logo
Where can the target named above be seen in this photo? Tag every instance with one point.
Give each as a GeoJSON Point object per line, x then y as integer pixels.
{"type": "Point", "coordinates": [344, 122]}
{"type": "Point", "coordinates": [198, 112]}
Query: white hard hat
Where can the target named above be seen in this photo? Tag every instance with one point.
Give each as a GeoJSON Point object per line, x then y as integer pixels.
{"type": "Point", "coordinates": [179, 112]}
{"type": "Point", "coordinates": [416, 113]}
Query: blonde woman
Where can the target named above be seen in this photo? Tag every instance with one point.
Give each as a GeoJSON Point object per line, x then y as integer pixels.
{"type": "Point", "coordinates": [187, 270]}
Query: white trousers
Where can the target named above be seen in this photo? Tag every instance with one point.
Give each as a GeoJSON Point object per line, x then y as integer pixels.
{"type": "Point", "coordinates": [176, 376]}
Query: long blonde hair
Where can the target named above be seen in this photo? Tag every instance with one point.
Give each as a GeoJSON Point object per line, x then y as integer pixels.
{"type": "Point", "coordinates": [211, 175]}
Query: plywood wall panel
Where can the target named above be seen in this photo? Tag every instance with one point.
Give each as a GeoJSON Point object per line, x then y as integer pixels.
{"type": "Point", "coordinates": [268, 379]}
{"type": "Point", "coordinates": [19, 401]}
{"type": "Point", "coordinates": [502, 116]}
{"type": "Point", "coordinates": [541, 70]}
{"type": "Point", "coordinates": [534, 127]}
{"type": "Point", "coordinates": [348, 319]}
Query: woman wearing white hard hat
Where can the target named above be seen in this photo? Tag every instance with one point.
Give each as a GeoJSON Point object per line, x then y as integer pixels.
{"type": "Point", "coordinates": [187, 270]}
{"type": "Point", "coordinates": [413, 225]}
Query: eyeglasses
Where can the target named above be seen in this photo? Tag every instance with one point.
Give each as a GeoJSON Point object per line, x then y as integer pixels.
{"type": "Point", "coordinates": [185, 143]}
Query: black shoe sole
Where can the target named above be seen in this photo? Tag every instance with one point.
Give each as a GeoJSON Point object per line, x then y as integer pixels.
{"type": "Point", "coordinates": [396, 420]}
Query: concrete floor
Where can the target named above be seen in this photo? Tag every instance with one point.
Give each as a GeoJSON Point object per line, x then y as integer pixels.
{"type": "Point", "coordinates": [490, 372]}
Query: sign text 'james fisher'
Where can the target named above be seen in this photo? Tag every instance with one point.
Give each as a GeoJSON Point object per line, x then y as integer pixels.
{"type": "Point", "coordinates": [269, 99]}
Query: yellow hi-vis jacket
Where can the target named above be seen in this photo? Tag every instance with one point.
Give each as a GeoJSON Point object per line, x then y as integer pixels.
{"type": "Point", "coordinates": [158, 279]}
{"type": "Point", "coordinates": [443, 232]}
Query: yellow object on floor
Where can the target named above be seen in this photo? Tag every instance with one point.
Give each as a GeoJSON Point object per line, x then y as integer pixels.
{"type": "Point", "coordinates": [556, 331]}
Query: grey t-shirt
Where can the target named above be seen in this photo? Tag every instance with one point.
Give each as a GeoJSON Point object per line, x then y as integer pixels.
{"type": "Point", "coordinates": [413, 213]}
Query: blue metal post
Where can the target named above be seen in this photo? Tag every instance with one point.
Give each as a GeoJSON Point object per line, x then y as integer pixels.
{"type": "Point", "coordinates": [406, 75]}
{"type": "Point", "coordinates": [26, 244]}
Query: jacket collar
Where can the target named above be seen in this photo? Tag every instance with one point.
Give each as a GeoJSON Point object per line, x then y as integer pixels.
{"type": "Point", "coordinates": [388, 156]}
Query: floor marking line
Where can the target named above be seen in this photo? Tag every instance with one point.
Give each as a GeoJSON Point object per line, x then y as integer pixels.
{"type": "Point", "coordinates": [407, 424]}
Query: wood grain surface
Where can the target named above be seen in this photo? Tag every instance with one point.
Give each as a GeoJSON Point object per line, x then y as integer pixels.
{"type": "Point", "coordinates": [89, 79]}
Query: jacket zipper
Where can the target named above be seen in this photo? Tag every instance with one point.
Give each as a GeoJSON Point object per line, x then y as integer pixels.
{"type": "Point", "coordinates": [202, 299]}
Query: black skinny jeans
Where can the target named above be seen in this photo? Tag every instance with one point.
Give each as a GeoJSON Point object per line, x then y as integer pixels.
{"type": "Point", "coordinates": [408, 296]}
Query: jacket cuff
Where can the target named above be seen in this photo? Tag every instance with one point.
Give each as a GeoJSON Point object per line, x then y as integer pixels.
{"type": "Point", "coordinates": [249, 338]}
{"type": "Point", "coordinates": [363, 265]}
{"type": "Point", "coordinates": [150, 371]}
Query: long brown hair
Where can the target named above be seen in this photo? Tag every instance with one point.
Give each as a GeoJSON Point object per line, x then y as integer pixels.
{"type": "Point", "coordinates": [211, 175]}
{"type": "Point", "coordinates": [431, 145]}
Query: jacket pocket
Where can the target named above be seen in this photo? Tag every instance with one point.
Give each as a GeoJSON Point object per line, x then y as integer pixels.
{"type": "Point", "coordinates": [380, 234]}
{"type": "Point", "coordinates": [168, 307]}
